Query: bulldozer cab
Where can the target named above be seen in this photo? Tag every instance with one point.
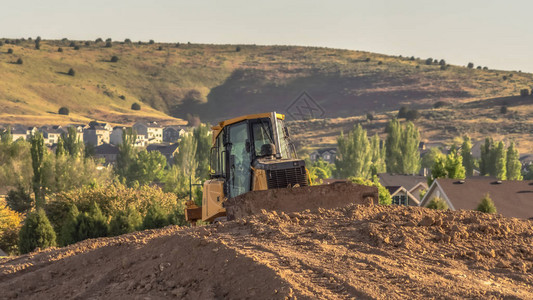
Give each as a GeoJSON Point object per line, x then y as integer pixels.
{"type": "Point", "coordinates": [240, 143]}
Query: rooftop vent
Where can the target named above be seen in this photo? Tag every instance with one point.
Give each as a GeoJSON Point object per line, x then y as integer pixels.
{"type": "Point", "coordinates": [497, 182]}
{"type": "Point", "coordinates": [460, 182]}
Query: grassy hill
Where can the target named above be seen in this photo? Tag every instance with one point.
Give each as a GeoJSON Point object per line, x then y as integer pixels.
{"type": "Point", "coordinates": [216, 82]}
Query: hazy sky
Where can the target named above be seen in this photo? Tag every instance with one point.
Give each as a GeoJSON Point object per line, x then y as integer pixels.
{"type": "Point", "coordinates": [497, 34]}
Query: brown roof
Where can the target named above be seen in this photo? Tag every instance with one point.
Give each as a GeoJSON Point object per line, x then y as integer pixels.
{"type": "Point", "coordinates": [407, 181]}
{"type": "Point", "coordinates": [512, 198]}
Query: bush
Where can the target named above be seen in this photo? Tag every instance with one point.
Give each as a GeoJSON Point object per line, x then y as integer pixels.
{"type": "Point", "coordinates": [76, 47]}
{"type": "Point", "coordinates": [67, 225]}
{"type": "Point", "coordinates": [19, 200]}
{"type": "Point", "coordinates": [125, 222]}
{"type": "Point", "coordinates": [155, 217]}
{"type": "Point", "coordinates": [380, 63]}
{"type": "Point", "coordinates": [127, 41]}
{"type": "Point", "coordinates": [87, 43]}
{"type": "Point", "coordinates": [72, 44]}
{"type": "Point", "coordinates": [442, 62]}
{"type": "Point", "coordinates": [443, 67]}
{"type": "Point", "coordinates": [429, 61]}
{"type": "Point", "coordinates": [238, 49]}
{"type": "Point", "coordinates": [19, 61]}
{"type": "Point", "coordinates": [59, 49]}
{"type": "Point", "coordinates": [486, 205]}
{"type": "Point", "coordinates": [37, 45]}
{"type": "Point", "coordinates": [63, 111]}
{"type": "Point", "coordinates": [1, 43]}
{"type": "Point", "coordinates": [383, 194]}
{"type": "Point", "coordinates": [437, 203]}
{"type": "Point", "coordinates": [177, 45]}
{"type": "Point", "coordinates": [122, 97]}
{"type": "Point", "coordinates": [9, 51]}
{"type": "Point", "coordinates": [412, 115]}
{"type": "Point", "coordinates": [439, 104]}
{"type": "Point", "coordinates": [136, 106]}
{"type": "Point", "coordinates": [160, 48]}
{"type": "Point", "coordinates": [9, 228]}
{"type": "Point", "coordinates": [402, 113]}
{"type": "Point", "coordinates": [90, 224]}
{"type": "Point", "coordinates": [369, 117]}
{"type": "Point", "coordinates": [98, 40]}
{"type": "Point", "coordinates": [470, 65]}
{"type": "Point", "coordinates": [108, 44]}
{"type": "Point", "coordinates": [367, 59]}
{"type": "Point", "coordinates": [114, 58]}
{"type": "Point", "coordinates": [151, 42]}
{"type": "Point", "coordinates": [108, 40]}
{"type": "Point", "coordinates": [485, 68]}
{"type": "Point", "coordinates": [503, 109]}
{"type": "Point", "coordinates": [524, 92]}
{"type": "Point", "coordinates": [71, 72]}
{"type": "Point", "coordinates": [504, 77]}
{"type": "Point", "coordinates": [37, 232]}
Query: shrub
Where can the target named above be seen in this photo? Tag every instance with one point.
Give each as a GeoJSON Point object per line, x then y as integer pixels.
{"type": "Point", "coordinates": [1, 43]}
{"type": "Point", "coordinates": [504, 77]}
{"type": "Point", "coordinates": [19, 61]}
{"type": "Point", "coordinates": [478, 67]}
{"type": "Point", "coordinates": [114, 58]}
{"type": "Point", "coordinates": [9, 51]}
{"type": "Point", "coordinates": [443, 67]}
{"type": "Point", "coordinates": [127, 41]}
{"type": "Point", "coordinates": [59, 49]}
{"type": "Point", "coordinates": [160, 48]}
{"type": "Point", "coordinates": [429, 61]}
{"type": "Point", "coordinates": [402, 113]}
{"type": "Point", "coordinates": [90, 224]}
{"type": "Point", "coordinates": [122, 97]}
{"type": "Point", "coordinates": [369, 117]}
{"type": "Point", "coordinates": [442, 62]}
{"type": "Point", "coordinates": [485, 68]}
{"type": "Point", "coordinates": [486, 205]}
{"type": "Point", "coordinates": [76, 47]}
{"type": "Point", "coordinates": [238, 49]}
{"type": "Point", "coordinates": [71, 72]}
{"type": "Point", "coordinates": [136, 106]}
{"type": "Point", "coordinates": [417, 67]}
{"type": "Point", "coordinates": [437, 203]}
{"type": "Point", "coordinates": [384, 194]}
{"type": "Point", "coordinates": [108, 40]}
{"type": "Point", "coordinates": [412, 58]}
{"type": "Point", "coordinates": [367, 59]}
{"type": "Point", "coordinates": [37, 45]}
{"type": "Point", "coordinates": [37, 232]}
{"type": "Point", "coordinates": [151, 42]}
{"type": "Point", "coordinates": [98, 40]}
{"type": "Point", "coordinates": [9, 228]}
{"type": "Point", "coordinates": [412, 115]}
{"type": "Point", "coordinates": [126, 221]}
{"type": "Point", "coordinates": [503, 109]}
{"type": "Point", "coordinates": [87, 43]}
{"type": "Point", "coordinates": [439, 104]}
{"type": "Point", "coordinates": [177, 45]}
{"type": "Point", "coordinates": [19, 200]}
{"type": "Point", "coordinates": [380, 62]}
{"type": "Point", "coordinates": [524, 92]}
{"type": "Point", "coordinates": [470, 65]}
{"type": "Point", "coordinates": [63, 111]}
{"type": "Point", "coordinates": [72, 44]}
{"type": "Point", "coordinates": [108, 44]}
{"type": "Point", "coordinates": [67, 226]}
{"type": "Point", "coordinates": [155, 217]}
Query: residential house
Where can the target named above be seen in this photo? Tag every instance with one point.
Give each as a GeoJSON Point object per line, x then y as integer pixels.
{"type": "Point", "coordinates": [328, 155]}
{"type": "Point", "coordinates": [115, 138]}
{"type": "Point", "coordinates": [404, 189]}
{"type": "Point", "coordinates": [169, 151]}
{"type": "Point", "coordinates": [79, 130]}
{"type": "Point", "coordinates": [20, 132]}
{"type": "Point", "coordinates": [172, 134]}
{"type": "Point", "coordinates": [52, 134]}
{"type": "Point", "coordinates": [512, 198]}
{"type": "Point", "coordinates": [107, 152]}
{"type": "Point", "coordinates": [97, 133]}
{"type": "Point", "coordinates": [525, 159]}
{"type": "Point", "coordinates": [152, 131]}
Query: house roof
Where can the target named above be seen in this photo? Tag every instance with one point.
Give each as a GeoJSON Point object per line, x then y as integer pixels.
{"type": "Point", "coordinates": [407, 181]}
{"type": "Point", "coordinates": [512, 198]}
{"type": "Point", "coordinates": [106, 149]}
{"type": "Point", "coordinates": [163, 148]}
{"type": "Point", "coordinates": [393, 190]}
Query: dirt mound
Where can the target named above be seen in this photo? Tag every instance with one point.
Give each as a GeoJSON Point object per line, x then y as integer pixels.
{"type": "Point", "coordinates": [362, 251]}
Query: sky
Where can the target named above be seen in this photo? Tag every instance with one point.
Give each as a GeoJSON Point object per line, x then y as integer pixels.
{"type": "Point", "coordinates": [496, 34]}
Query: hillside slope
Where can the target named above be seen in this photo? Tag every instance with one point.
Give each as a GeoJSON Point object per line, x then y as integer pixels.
{"type": "Point", "coordinates": [216, 81]}
{"type": "Point", "coordinates": [370, 252]}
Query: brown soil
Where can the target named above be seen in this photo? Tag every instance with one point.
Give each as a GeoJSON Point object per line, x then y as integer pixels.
{"type": "Point", "coordinates": [362, 251]}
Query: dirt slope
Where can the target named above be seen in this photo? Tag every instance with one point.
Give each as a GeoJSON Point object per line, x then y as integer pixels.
{"type": "Point", "coordinates": [356, 251]}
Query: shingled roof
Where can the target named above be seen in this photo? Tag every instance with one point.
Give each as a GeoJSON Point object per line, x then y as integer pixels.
{"type": "Point", "coordinates": [512, 198]}
{"type": "Point", "coordinates": [407, 181]}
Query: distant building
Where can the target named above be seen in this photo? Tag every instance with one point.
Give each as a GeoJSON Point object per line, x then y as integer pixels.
{"type": "Point", "coordinates": [97, 133]}
{"type": "Point", "coordinates": [115, 137]}
{"type": "Point", "coordinates": [169, 151]}
{"type": "Point", "coordinates": [52, 134]}
{"type": "Point", "coordinates": [512, 198]}
{"type": "Point", "coordinates": [404, 189]}
{"type": "Point", "coordinates": [172, 134]}
{"type": "Point", "coordinates": [107, 152]}
{"type": "Point", "coordinates": [152, 131]}
{"type": "Point", "coordinates": [20, 132]}
{"type": "Point", "coordinates": [328, 155]}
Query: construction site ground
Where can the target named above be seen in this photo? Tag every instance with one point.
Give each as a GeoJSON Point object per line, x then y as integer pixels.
{"type": "Point", "coordinates": [357, 251]}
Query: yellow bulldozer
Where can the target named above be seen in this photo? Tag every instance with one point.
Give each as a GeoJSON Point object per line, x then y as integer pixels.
{"type": "Point", "coordinates": [254, 166]}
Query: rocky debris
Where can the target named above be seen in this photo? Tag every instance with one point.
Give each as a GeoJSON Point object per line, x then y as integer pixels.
{"type": "Point", "coordinates": [361, 251]}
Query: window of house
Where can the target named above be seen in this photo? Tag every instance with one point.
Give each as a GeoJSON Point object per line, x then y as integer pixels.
{"type": "Point", "coordinates": [399, 200]}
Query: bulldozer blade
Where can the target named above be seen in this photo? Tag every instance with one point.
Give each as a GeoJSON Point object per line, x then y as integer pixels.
{"type": "Point", "coordinates": [300, 198]}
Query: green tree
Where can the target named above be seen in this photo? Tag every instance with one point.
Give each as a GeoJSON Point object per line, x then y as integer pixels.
{"type": "Point", "coordinates": [428, 160]}
{"type": "Point", "coordinates": [486, 205]}
{"type": "Point", "coordinates": [60, 148]}
{"type": "Point", "coordinates": [487, 163]}
{"type": "Point", "coordinates": [92, 224]}
{"type": "Point", "coordinates": [513, 164]}
{"type": "Point", "coordinates": [468, 159]}
{"type": "Point", "coordinates": [155, 217]}
{"type": "Point", "coordinates": [500, 159]}
{"type": "Point", "coordinates": [454, 166]}
{"type": "Point", "coordinates": [409, 147]}
{"type": "Point", "coordinates": [19, 200]}
{"type": "Point", "coordinates": [73, 145]}
{"type": "Point", "coordinates": [37, 157]}
{"type": "Point", "coordinates": [68, 233]}
{"type": "Point", "coordinates": [147, 167]}
{"type": "Point", "coordinates": [202, 137]}
{"type": "Point", "coordinates": [393, 157]}
{"type": "Point", "coordinates": [378, 155]}
{"type": "Point", "coordinates": [437, 203]}
{"type": "Point", "coordinates": [438, 170]}
{"type": "Point", "coordinates": [354, 156]}
{"type": "Point", "coordinates": [37, 232]}
{"type": "Point", "coordinates": [126, 154]}
{"type": "Point", "coordinates": [126, 221]}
